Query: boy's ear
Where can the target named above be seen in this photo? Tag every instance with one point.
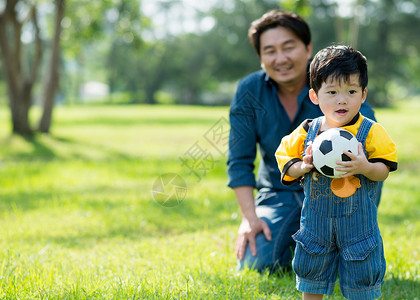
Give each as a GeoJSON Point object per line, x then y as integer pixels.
{"type": "Point", "coordinates": [313, 96]}
{"type": "Point", "coordinates": [364, 94]}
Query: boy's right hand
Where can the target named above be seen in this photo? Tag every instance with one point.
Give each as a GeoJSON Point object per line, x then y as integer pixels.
{"type": "Point", "coordinates": [307, 165]}
{"type": "Point", "coordinates": [302, 167]}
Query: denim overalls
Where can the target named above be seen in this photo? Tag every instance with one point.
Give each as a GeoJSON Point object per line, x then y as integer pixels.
{"type": "Point", "coordinates": [339, 235]}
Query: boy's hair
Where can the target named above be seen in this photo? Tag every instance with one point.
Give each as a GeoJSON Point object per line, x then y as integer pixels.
{"type": "Point", "coordinates": [276, 18]}
{"type": "Point", "coordinates": [339, 62]}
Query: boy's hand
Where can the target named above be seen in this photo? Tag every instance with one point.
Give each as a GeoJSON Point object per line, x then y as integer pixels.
{"type": "Point", "coordinates": [302, 167]}
{"type": "Point", "coordinates": [357, 165]}
{"type": "Point", "coordinates": [306, 164]}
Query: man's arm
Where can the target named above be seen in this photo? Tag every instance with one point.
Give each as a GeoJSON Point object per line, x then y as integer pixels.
{"type": "Point", "coordinates": [251, 225]}
{"type": "Point", "coordinates": [241, 156]}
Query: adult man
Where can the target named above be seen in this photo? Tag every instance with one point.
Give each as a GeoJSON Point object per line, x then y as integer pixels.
{"type": "Point", "coordinates": [268, 105]}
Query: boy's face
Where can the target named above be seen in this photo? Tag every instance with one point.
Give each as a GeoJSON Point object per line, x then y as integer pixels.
{"type": "Point", "coordinates": [284, 57]}
{"type": "Point", "coordinates": [339, 100]}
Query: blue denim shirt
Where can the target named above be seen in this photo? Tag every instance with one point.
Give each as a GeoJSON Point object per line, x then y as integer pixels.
{"type": "Point", "coordinates": [257, 117]}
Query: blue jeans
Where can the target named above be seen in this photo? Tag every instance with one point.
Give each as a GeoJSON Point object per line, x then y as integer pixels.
{"type": "Point", "coordinates": [281, 211]}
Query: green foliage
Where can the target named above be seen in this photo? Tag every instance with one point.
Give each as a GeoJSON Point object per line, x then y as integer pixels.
{"type": "Point", "coordinates": [78, 219]}
{"type": "Point", "coordinates": [191, 64]}
{"type": "Point", "coordinates": [93, 29]}
{"type": "Point", "coordinates": [164, 98]}
{"type": "Point", "coordinates": [301, 7]}
{"type": "Point", "coordinates": [114, 42]}
{"type": "Point", "coordinates": [382, 31]}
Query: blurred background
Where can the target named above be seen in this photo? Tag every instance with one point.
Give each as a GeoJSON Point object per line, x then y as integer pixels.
{"type": "Point", "coordinates": [74, 52]}
{"type": "Point", "coordinates": [125, 195]}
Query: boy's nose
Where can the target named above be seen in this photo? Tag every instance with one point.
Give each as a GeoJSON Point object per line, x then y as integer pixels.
{"type": "Point", "coordinates": [341, 99]}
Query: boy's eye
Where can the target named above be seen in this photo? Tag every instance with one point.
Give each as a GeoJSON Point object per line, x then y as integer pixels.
{"type": "Point", "coordinates": [331, 92]}
{"type": "Point", "coordinates": [352, 92]}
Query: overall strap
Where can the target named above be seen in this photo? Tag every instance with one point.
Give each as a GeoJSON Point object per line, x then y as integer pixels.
{"type": "Point", "coordinates": [363, 131]}
{"type": "Point", "coordinates": [313, 131]}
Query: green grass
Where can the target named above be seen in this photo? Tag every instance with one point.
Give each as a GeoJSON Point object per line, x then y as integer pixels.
{"type": "Point", "coordinates": [78, 219]}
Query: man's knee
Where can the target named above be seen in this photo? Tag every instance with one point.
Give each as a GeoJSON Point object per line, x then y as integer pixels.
{"type": "Point", "coordinates": [252, 262]}
{"type": "Point", "coordinates": [263, 260]}
{"type": "Point", "coordinates": [281, 212]}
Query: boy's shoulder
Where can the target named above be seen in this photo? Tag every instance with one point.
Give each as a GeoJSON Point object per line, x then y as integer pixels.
{"type": "Point", "coordinates": [372, 125]}
{"type": "Point", "coordinates": [306, 124]}
{"type": "Point", "coordinates": [367, 119]}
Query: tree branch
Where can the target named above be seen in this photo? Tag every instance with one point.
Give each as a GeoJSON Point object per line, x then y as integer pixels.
{"type": "Point", "coordinates": [38, 47]}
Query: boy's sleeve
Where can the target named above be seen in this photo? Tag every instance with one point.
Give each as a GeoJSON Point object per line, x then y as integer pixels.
{"type": "Point", "coordinates": [289, 152]}
{"type": "Point", "coordinates": [381, 148]}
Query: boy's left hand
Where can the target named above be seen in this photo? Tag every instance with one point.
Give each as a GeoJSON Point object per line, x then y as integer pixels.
{"type": "Point", "coordinates": [357, 165]}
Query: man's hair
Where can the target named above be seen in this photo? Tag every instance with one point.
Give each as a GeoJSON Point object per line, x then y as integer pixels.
{"type": "Point", "coordinates": [339, 62]}
{"type": "Point", "coordinates": [276, 18]}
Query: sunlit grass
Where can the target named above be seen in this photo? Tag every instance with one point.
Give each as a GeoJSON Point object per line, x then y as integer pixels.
{"type": "Point", "coordinates": [78, 219]}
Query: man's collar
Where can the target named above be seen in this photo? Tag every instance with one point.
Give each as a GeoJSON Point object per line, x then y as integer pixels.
{"type": "Point", "coordinates": [268, 80]}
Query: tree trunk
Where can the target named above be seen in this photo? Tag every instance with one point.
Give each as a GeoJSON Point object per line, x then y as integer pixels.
{"type": "Point", "coordinates": [383, 56]}
{"type": "Point", "coordinates": [355, 24]}
{"type": "Point", "coordinates": [20, 112]}
{"type": "Point", "coordinates": [190, 96]}
{"type": "Point", "coordinates": [51, 84]}
{"type": "Point", "coordinates": [19, 82]}
{"type": "Point", "coordinates": [19, 98]}
{"type": "Point", "coordinates": [340, 30]}
{"type": "Point", "coordinates": [150, 93]}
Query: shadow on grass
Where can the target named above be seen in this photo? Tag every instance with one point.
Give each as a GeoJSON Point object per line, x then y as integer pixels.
{"type": "Point", "coordinates": [405, 216]}
{"type": "Point", "coordinates": [39, 149]}
{"type": "Point", "coordinates": [126, 211]}
{"type": "Point", "coordinates": [397, 288]}
{"type": "Point", "coordinates": [169, 120]}
{"type": "Point", "coordinates": [103, 213]}
{"type": "Point", "coordinates": [43, 147]}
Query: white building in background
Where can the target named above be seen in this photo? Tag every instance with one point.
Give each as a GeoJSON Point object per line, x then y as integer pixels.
{"type": "Point", "coordinates": [94, 91]}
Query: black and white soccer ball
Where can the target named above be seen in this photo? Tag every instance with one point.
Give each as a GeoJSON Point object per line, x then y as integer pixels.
{"type": "Point", "coordinates": [328, 148]}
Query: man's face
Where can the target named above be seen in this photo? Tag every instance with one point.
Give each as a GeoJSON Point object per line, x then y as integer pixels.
{"type": "Point", "coordinates": [284, 57]}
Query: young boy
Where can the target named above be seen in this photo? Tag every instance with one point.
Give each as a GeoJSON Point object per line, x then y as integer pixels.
{"type": "Point", "coordinates": [338, 235]}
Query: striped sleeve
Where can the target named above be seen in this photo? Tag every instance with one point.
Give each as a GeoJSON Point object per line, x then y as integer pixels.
{"type": "Point", "coordinates": [381, 148]}
{"type": "Point", "coordinates": [289, 152]}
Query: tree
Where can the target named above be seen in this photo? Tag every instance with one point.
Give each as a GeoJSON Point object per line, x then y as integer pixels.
{"type": "Point", "coordinates": [87, 33]}
{"type": "Point", "coordinates": [129, 58]}
{"type": "Point", "coordinates": [385, 31]}
{"type": "Point", "coordinates": [51, 84]}
{"type": "Point", "coordinates": [19, 81]}
{"type": "Point", "coordinates": [21, 64]}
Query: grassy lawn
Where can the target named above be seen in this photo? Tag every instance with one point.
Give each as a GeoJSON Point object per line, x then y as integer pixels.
{"type": "Point", "coordinates": [80, 217]}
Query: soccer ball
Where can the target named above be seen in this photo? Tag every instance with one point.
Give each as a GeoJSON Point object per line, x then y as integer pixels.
{"type": "Point", "coordinates": [328, 148]}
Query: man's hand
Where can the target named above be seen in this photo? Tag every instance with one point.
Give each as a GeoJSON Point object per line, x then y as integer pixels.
{"type": "Point", "coordinates": [246, 234]}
